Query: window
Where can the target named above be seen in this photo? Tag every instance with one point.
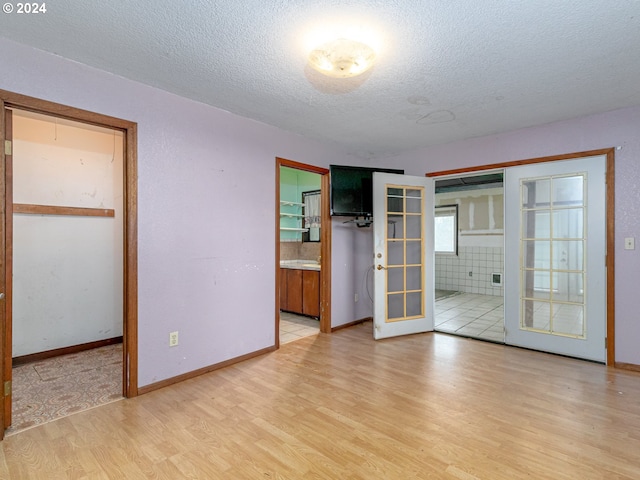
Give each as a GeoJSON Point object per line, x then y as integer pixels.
{"type": "Point", "coordinates": [446, 229]}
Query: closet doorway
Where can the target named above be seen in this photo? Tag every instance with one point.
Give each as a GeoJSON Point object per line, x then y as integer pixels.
{"type": "Point", "coordinates": [303, 237]}
{"type": "Point", "coordinates": [69, 275]}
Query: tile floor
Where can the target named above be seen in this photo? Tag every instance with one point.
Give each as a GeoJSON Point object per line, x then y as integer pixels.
{"type": "Point", "coordinates": [294, 327]}
{"type": "Point", "coordinates": [471, 315]}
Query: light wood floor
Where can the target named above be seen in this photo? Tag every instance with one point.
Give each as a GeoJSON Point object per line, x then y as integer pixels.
{"type": "Point", "coordinates": [342, 406]}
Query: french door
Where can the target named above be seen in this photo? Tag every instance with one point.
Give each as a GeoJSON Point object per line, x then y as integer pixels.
{"type": "Point", "coordinates": [555, 246]}
{"type": "Point", "coordinates": [403, 255]}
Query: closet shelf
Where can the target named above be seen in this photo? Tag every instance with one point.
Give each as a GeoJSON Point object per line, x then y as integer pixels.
{"type": "Point", "coordinates": [294, 229]}
{"type": "Point", "coordinates": [292, 215]}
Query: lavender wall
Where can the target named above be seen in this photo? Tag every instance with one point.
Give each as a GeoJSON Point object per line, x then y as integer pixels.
{"type": "Point", "coordinates": [351, 271]}
{"type": "Point", "coordinates": [620, 128]}
{"type": "Point", "coordinates": [206, 211]}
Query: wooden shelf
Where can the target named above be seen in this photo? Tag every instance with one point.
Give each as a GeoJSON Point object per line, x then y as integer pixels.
{"type": "Point", "coordinates": [56, 210]}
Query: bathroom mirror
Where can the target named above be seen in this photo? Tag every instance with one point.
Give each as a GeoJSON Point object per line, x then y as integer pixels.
{"type": "Point", "coordinates": [312, 215]}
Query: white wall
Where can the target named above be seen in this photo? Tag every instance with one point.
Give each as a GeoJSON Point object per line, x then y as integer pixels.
{"type": "Point", "coordinates": [67, 270]}
{"type": "Point", "coordinates": [480, 242]}
{"type": "Point", "coordinates": [470, 271]}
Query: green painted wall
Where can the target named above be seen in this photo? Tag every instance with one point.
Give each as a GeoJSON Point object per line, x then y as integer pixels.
{"type": "Point", "coordinates": [292, 183]}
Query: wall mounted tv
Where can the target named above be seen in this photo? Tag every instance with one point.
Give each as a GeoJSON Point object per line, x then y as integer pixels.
{"type": "Point", "coordinates": [352, 190]}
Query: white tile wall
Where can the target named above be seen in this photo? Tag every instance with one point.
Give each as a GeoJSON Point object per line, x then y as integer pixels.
{"type": "Point", "coordinates": [452, 272]}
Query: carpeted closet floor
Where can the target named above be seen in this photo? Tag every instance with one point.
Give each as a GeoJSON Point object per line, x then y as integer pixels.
{"type": "Point", "coordinates": [53, 388]}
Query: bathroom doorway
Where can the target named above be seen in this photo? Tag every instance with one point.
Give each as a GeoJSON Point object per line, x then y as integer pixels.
{"type": "Point", "coordinates": [303, 236]}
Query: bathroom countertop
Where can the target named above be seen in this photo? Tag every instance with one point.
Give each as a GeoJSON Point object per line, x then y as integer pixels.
{"type": "Point", "coordinates": [300, 264]}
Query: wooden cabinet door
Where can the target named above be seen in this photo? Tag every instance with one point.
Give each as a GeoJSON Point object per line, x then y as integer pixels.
{"type": "Point", "coordinates": [294, 290]}
{"type": "Point", "coordinates": [311, 293]}
{"type": "Point", "coordinates": [283, 289]}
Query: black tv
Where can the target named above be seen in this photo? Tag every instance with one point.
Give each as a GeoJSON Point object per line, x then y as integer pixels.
{"type": "Point", "coordinates": [352, 190]}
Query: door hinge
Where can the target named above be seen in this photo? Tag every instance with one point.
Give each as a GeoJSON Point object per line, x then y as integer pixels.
{"type": "Point", "coordinates": [605, 343]}
{"type": "Point", "coordinates": [7, 147]}
{"type": "Point", "coordinates": [7, 388]}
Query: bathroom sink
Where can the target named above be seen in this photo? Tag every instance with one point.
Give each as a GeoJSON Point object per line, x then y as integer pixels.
{"type": "Point", "coordinates": [303, 264]}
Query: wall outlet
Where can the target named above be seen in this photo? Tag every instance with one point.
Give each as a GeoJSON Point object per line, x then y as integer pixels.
{"type": "Point", "coordinates": [630, 243]}
{"type": "Point", "coordinates": [173, 339]}
{"type": "Point", "coordinates": [355, 297]}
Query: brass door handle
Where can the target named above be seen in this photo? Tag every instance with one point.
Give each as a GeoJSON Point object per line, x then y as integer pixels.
{"type": "Point", "coordinates": [380, 267]}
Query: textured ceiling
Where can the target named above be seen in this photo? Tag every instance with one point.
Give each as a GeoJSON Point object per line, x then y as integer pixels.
{"type": "Point", "coordinates": [445, 70]}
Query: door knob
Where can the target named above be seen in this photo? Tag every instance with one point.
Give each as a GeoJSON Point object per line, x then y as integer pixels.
{"type": "Point", "coordinates": [380, 267]}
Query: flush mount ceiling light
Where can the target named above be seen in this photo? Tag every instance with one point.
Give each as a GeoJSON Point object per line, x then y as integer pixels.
{"type": "Point", "coordinates": [342, 58]}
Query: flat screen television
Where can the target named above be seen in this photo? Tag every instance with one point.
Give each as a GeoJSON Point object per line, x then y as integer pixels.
{"type": "Point", "coordinates": [352, 190]}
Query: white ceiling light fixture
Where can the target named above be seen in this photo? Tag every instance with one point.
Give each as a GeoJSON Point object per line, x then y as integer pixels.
{"type": "Point", "coordinates": [342, 58]}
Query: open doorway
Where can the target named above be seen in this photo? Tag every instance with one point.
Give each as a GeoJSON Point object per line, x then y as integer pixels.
{"type": "Point", "coordinates": [302, 251]}
{"type": "Point", "coordinates": [469, 256]}
{"type": "Point", "coordinates": [558, 226]}
{"type": "Point", "coordinates": [67, 267]}
{"type": "Point", "coordinates": [124, 132]}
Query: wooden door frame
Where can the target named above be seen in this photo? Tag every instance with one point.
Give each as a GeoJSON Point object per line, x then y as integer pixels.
{"type": "Point", "coordinates": [130, 229]}
{"type": "Point", "coordinates": [325, 246]}
{"type": "Point", "coordinates": [609, 153]}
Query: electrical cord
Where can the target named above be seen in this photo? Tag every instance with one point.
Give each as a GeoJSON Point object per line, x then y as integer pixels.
{"type": "Point", "coordinates": [366, 282]}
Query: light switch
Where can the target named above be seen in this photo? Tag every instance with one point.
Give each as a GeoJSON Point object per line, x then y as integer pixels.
{"type": "Point", "coordinates": [629, 243]}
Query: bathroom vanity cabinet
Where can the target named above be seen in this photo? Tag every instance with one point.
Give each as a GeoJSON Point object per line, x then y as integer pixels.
{"type": "Point", "coordinates": [300, 291]}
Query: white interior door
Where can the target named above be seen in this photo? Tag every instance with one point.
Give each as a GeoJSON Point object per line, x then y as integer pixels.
{"type": "Point", "coordinates": [403, 251]}
{"type": "Point", "coordinates": [555, 246]}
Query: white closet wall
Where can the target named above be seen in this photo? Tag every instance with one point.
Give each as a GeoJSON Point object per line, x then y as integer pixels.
{"type": "Point", "coordinates": [67, 269]}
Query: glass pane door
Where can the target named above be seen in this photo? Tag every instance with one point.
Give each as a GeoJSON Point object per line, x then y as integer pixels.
{"type": "Point", "coordinates": [405, 247]}
{"type": "Point", "coordinates": [403, 252]}
{"type": "Point", "coordinates": [553, 242]}
{"type": "Point", "coordinates": [555, 246]}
